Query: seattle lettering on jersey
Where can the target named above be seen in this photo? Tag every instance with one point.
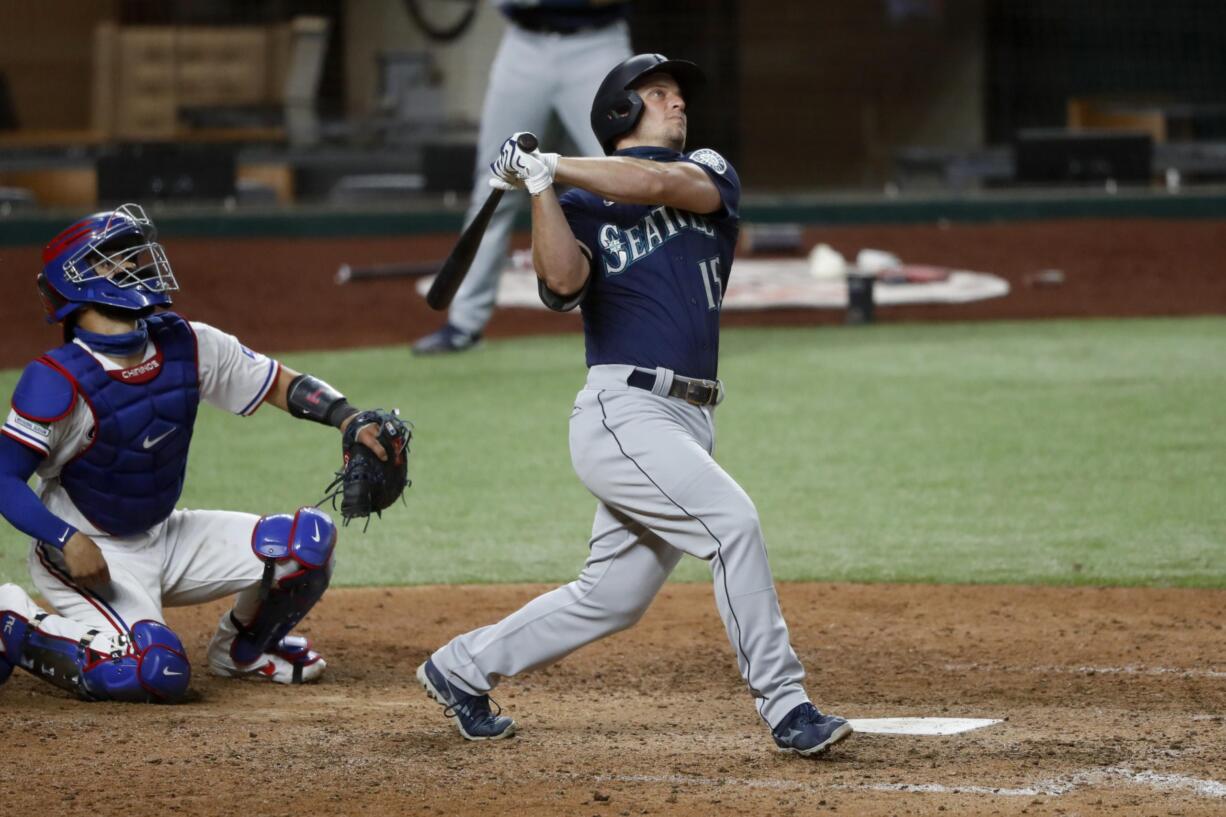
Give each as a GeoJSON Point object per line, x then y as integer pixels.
{"type": "Point", "coordinates": [621, 249]}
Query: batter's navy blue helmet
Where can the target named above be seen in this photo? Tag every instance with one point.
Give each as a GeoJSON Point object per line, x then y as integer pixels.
{"type": "Point", "coordinates": [617, 107]}
{"type": "Point", "coordinates": [111, 259]}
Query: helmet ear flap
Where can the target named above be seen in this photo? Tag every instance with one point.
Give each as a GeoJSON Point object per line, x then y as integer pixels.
{"type": "Point", "coordinates": [622, 109]}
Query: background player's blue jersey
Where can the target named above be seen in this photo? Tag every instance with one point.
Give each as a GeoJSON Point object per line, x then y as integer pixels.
{"type": "Point", "coordinates": [657, 274]}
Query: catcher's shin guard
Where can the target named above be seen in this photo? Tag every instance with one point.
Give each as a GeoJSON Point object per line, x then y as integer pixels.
{"type": "Point", "coordinates": [148, 665]}
{"type": "Point", "coordinates": [297, 554]}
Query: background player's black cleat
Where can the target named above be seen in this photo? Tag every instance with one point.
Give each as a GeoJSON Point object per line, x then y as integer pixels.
{"type": "Point", "coordinates": [447, 339]}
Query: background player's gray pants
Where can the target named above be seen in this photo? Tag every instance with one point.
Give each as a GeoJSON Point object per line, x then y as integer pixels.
{"type": "Point", "coordinates": [533, 77]}
{"type": "Point", "coordinates": [648, 460]}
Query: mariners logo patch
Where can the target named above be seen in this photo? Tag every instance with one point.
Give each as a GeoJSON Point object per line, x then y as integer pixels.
{"type": "Point", "coordinates": [711, 159]}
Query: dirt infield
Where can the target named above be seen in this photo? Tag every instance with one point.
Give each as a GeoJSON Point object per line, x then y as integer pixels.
{"type": "Point", "coordinates": [1114, 700]}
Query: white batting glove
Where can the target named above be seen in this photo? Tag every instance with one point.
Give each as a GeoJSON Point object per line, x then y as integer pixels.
{"type": "Point", "coordinates": [504, 176]}
{"type": "Point", "coordinates": [514, 165]}
{"type": "Point", "coordinates": [536, 169]}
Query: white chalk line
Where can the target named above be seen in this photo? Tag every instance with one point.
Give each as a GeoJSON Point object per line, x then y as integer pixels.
{"type": "Point", "coordinates": [1052, 787]}
{"type": "Point", "coordinates": [1087, 670]}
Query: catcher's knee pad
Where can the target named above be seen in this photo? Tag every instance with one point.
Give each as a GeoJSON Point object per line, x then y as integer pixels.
{"type": "Point", "coordinates": [155, 668]}
{"type": "Point", "coordinates": [146, 665]}
{"type": "Point", "coordinates": [297, 555]}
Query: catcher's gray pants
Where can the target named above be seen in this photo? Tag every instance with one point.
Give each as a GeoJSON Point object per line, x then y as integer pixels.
{"type": "Point", "coordinates": [534, 76]}
{"type": "Point", "coordinates": [648, 460]}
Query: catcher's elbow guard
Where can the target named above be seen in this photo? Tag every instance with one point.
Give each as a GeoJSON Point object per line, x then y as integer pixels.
{"type": "Point", "coordinates": [310, 398]}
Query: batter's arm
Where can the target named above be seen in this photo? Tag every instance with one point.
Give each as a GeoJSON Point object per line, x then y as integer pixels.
{"type": "Point", "coordinates": [555, 252]}
{"type": "Point", "coordinates": [627, 180]}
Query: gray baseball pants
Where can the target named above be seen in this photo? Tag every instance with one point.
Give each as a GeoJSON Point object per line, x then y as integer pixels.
{"type": "Point", "coordinates": [647, 458]}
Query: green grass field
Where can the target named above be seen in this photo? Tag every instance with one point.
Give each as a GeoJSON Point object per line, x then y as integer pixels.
{"type": "Point", "coordinates": [1063, 452]}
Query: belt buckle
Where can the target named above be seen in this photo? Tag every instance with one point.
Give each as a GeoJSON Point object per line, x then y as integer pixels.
{"type": "Point", "coordinates": [693, 389]}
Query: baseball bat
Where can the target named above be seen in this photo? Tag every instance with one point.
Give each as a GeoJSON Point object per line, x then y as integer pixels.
{"type": "Point", "coordinates": [456, 265]}
{"type": "Point", "coordinates": [352, 273]}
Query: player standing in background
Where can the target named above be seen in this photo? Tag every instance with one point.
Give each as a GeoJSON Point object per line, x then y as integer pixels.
{"type": "Point", "coordinates": [644, 244]}
{"type": "Point", "coordinates": [105, 421]}
{"type": "Point", "coordinates": [552, 57]}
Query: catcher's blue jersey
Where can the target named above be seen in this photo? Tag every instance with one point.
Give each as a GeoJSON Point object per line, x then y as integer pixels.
{"type": "Point", "coordinates": [657, 274]}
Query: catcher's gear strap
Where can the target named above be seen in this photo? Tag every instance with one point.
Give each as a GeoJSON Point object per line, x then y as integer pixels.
{"type": "Point", "coordinates": [312, 399]}
{"type": "Point", "coordinates": [148, 666]}
{"type": "Point", "coordinates": [297, 555]}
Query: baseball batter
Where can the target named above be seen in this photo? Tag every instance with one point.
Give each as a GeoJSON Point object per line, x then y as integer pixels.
{"type": "Point", "coordinates": [644, 245]}
{"type": "Point", "coordinates": [105, 422]}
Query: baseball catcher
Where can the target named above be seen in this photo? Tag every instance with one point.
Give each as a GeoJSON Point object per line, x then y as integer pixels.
{"type": "Point", "coordinates": [105, 421]}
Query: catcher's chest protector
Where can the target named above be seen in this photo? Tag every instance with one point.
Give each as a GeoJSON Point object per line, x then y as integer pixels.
{"type": "Point", "coordinates": [131, 475]}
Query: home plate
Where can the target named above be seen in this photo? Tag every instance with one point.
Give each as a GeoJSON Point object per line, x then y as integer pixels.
{"type": "Point", "coordinates": [919, 726]}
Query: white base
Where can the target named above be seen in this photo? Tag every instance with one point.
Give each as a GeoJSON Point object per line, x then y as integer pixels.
{"type": "Point", "coordinates": [919, 726]}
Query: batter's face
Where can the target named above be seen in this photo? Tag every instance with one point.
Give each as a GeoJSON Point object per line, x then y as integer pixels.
{"type": "Point", "coordinates": [663, 122]}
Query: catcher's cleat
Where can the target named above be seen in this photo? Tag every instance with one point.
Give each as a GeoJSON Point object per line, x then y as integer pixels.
{"type": "Point", "coordinates": [808, 732]}
{"type": "Point", "coordinates": [471, 712]}
{"type": "Point", "coordinates": [292, 662]}
{"type": "Point", "coordinates": [447, 339]}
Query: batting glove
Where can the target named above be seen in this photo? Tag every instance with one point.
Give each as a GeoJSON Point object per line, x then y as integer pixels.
{"type": "Point", "coordinates": [516, 166]}
{"type": "Point", "coordinates": [498, 183]}
{"type": "Point", "coordinates": [504, 176]}
{"type": "Point", "coordinates": [536, 170]}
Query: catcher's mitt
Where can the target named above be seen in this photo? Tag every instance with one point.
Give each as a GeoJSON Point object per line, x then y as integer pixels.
{"type": "Point", "coordinates": [365, 483]}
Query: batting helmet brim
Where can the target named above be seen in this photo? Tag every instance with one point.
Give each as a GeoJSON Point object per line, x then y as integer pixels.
{"type": "Point", "coordinates": [688, 75]}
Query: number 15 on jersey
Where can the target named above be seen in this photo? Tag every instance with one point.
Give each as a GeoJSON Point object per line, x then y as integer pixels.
{"type": "Point", "coordinates": [711, 281]}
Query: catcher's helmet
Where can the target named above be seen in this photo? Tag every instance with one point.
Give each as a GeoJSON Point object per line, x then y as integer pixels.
{"type": "Point", "coordinates": [111, 259]}
{"type": "Point", "coordinates": [617, 107]}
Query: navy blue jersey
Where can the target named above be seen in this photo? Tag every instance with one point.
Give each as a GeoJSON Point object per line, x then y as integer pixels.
{"type": "Point", "coordinates": [564, 16]}
{"type": "Point", "coordinates": [657, 274]}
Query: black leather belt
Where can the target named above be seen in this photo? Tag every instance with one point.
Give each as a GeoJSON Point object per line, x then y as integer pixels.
{"type": "Point", "coordinates": [690, 389]}
{"type": "Point", "coordinates": [541, 27]}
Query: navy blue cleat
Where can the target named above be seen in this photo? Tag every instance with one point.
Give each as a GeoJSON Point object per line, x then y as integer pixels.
{"type": "Point", "coordinates": [448, 339]}
{"type": "Point", "coordinates": [806, 731]}
{"type": "Point", "coordinates": [471, 712]}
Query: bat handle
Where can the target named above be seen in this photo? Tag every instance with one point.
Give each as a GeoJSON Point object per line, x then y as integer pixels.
{"type": "Point", "coordinates": [527, 141]}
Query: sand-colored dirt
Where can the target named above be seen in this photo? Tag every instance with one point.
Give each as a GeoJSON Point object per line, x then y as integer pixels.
{"type": "Point", "coordinates": [1114, 700]}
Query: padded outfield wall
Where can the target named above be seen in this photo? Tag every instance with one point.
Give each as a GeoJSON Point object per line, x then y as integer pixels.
{"type": "Point", "coordinates": [269, 276]}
